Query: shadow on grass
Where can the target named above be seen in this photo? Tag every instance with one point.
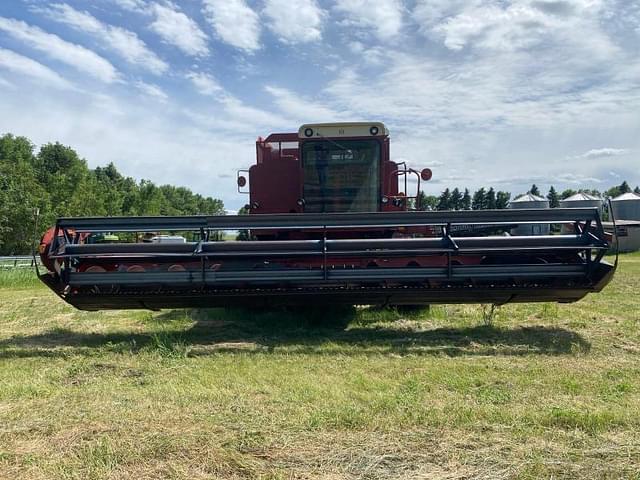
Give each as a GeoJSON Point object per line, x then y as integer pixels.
{"type": "Point", "coordinates": [309, 332]}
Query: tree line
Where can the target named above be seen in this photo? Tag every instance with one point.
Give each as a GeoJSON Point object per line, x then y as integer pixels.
{"type": "Point", "coordinates": [455, 199]}
{"type": "Point", "coordinates": [57, 182]}
{"type": "Point", "coordinates": [489, 199]}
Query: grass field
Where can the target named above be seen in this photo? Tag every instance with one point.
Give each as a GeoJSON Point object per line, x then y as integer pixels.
{"type": "Point", "coordinates": [546, 391]}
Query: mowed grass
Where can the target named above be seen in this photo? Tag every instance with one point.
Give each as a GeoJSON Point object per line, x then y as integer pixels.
{"type": "Point", "coordinates": [546, 391]}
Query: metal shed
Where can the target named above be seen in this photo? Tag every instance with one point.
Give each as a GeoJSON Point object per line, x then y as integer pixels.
{"type": "Point", "coordinates": [628, 234]}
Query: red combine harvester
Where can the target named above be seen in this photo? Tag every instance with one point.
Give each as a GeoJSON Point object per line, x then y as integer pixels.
{"type": "Point", "coordinates": [327, 224]}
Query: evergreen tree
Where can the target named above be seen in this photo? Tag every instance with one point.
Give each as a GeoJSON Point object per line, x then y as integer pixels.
{"type": "Point", "coordinates": [554, 199]}
{"type": "Point", "coordinates": [444, 201]}
{"type": "Point", "coordinates": [478, 201]}
{"type": "Point", "coordinates": [591, 191]}
{"type": "Point", "coordinates": [456, 199]}
{"type": "Point", "coordinates": [567, 193]}
{"type": "Point", "coordinates": [490, 199]}
{"type": "Point", "coordinates": [534, 190]}
{"type": "Point", "coordinates": [465, 204]}
{"type": "Point", "coordinates": [502, 199]}
{"type": "Point", "coordinates": [637, 190]}
{"type": "Point", "coordinates": [624, 187]}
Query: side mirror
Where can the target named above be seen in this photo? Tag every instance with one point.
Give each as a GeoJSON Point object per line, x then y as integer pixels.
{"type": "Point", "coordinates": [242, 181]}
{"type": "Point", "coordinates": [426, 174]}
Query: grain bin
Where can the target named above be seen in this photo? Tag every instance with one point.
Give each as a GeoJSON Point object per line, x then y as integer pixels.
{"type": "Point", "coordinates": [626, 206]}
{"type": "Point", "coordinates": [580, 200]}
{"type": "Point", "coordinates": [529, 201]}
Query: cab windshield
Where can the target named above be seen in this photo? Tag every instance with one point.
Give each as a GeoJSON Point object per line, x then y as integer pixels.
{"type": "Point", "coordinates": [341, 176]}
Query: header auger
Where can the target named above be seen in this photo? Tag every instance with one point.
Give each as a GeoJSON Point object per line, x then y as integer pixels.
{"type": "Point", "coordinates": [327, 224]}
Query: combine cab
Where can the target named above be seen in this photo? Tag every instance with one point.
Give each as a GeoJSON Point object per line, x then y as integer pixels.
{"type": "Point", "coordinates": [327, 224]}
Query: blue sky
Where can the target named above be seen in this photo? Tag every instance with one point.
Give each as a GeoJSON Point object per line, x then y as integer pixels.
{"type": "Point", "coordinates": [485, 92]}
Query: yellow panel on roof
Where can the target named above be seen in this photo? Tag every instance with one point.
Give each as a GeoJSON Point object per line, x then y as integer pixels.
{"type": "Point", "coordinates": [350, 129]}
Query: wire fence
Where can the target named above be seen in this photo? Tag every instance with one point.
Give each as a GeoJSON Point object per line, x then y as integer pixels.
{"type": "Point", "coordinates": [18, 261]}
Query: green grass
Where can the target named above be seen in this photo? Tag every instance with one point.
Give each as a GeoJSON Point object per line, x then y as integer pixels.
{"type": "Point", "coordinates": [17, 278]}
{"type": "Point", "coordinates": [544, 391]}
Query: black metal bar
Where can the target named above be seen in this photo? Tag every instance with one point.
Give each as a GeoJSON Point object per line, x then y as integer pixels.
{"type": "Point", "coordinates": [261, 298]}
{"type": "Point", "coordinates": [450, 239]}
{"type": "Point", "coordinates": [329, 220]}
{"type": "Point", "coordinates": [447, 236]}
{"type": "Point", "coordinates": [355, 247]}
{"type": "Point", "coordinates": [317, 276]}
{"type": "Point", "coordinates": [324, 253]}
{"type": "Point", "coordinates": [615, 235]}
{"type": "Point", "coordinates": [577, 226]}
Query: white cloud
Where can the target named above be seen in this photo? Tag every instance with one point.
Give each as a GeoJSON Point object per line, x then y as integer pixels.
{"type": "Point", "coordinates": [300, 24]}
{"type": "Point", "coordinates": [371, 55]}
{"type": "Point", "coordinates": [25, 66]}
{"type": "Point", "coordinates": [175, 28]}
{"type": "Point", "coordinates": [256, 118]}
{"type": "Point", "coordinates": [383, 16]}
{"type": "Point", "coordinates": [132, 5]}
{"type": "Point", "coordinates": [518, 111]}
{"type": "Point", "coordinates": [124, 42]}
{"type": "Point", "coordinates": [152, 90]}
{"type": "Point", "coordinates": [302, 110]}
{"type": "Point", "coordinates": [234, 23]}
{"type": "Point", "coordinates": [6, 83]}
{"type": "Point", "coordinates": [356, 47]}
{"type": "Point", "coordinates": [602, 153]}
{"type": "Point", "coordinates": [550, 178]}
{"type": "Point", "coordinates": [514, 25]}
{"type": "Point", "coordinates": [428, 13]}
{"type": "Point", "coordinates": [53, 46]}
{"type": "Point", "coordinates": [205, 83]}
{"type": "Point", "coordinates": [575, 179]}
{"type": "Point", "coordinates": [231, 113]}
